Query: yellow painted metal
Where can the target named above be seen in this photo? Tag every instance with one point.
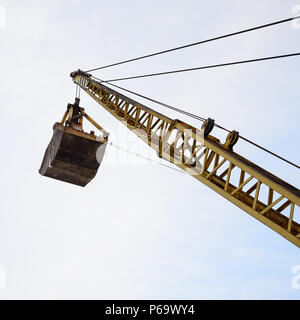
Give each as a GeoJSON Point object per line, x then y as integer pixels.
{"type": "Point", "coordinates": [64, 117]}
{"type": "Point", "coordinates": [78, 131]}
{"type": "Point", "coordinates": [206, 159]}
{"type": "Point", "coordinates": [70, 114]}
{"type": "Point", "coordinates": [94, 123]}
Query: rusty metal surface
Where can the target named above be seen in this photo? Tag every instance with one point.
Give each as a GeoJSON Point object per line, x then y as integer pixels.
{"type": "Point", "coordinates": [70, 157]}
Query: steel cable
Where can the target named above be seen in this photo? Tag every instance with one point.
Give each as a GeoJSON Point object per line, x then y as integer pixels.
{"type": "Point", "coordinates": [200, 119]}
{"type": "Point", "coordinates": [196, 43]}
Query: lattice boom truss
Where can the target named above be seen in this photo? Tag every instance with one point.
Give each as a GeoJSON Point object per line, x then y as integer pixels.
{"type": "Point", "coordinates": [269, 199]}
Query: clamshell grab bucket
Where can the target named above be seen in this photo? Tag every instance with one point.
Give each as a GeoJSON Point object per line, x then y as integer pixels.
{"type": "Point", "coordinates": [72, 155]}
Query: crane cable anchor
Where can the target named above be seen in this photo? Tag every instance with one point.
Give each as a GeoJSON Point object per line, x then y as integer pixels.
{"type": "Point", "coordinates": [207, 127]}
{"type": "Point", "coordinates": [231, 139]}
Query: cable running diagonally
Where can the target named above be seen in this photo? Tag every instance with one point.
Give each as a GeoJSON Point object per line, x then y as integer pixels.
{"type": "Point", "coordinates": [156, 101]}
{"type": "Point", "coordinates": [140, 156]}
{"type": "Point", "coordinates": [204, 67]}
{"type": "Point", "coordinates": [197, 43]}
{"type": "Point", "coordinates": [198, 118]}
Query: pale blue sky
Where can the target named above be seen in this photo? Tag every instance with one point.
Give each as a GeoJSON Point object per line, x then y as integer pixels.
{"type": "Point", "coordinates": [142, 231]}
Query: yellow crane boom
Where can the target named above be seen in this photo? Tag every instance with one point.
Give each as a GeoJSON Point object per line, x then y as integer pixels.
{"type": "Point", "coordinates": [263, 195]}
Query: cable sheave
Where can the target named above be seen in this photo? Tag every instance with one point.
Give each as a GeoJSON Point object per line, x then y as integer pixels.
{"type": "Point", "coordinates": [200, 119]}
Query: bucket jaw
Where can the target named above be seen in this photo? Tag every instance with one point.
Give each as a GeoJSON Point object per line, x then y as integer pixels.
{"type": "Point", "coordinates": [73, 155]}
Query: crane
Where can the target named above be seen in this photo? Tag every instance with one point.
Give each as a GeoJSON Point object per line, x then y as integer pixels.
{"type": "Point", "coordinates": [253, 189]}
